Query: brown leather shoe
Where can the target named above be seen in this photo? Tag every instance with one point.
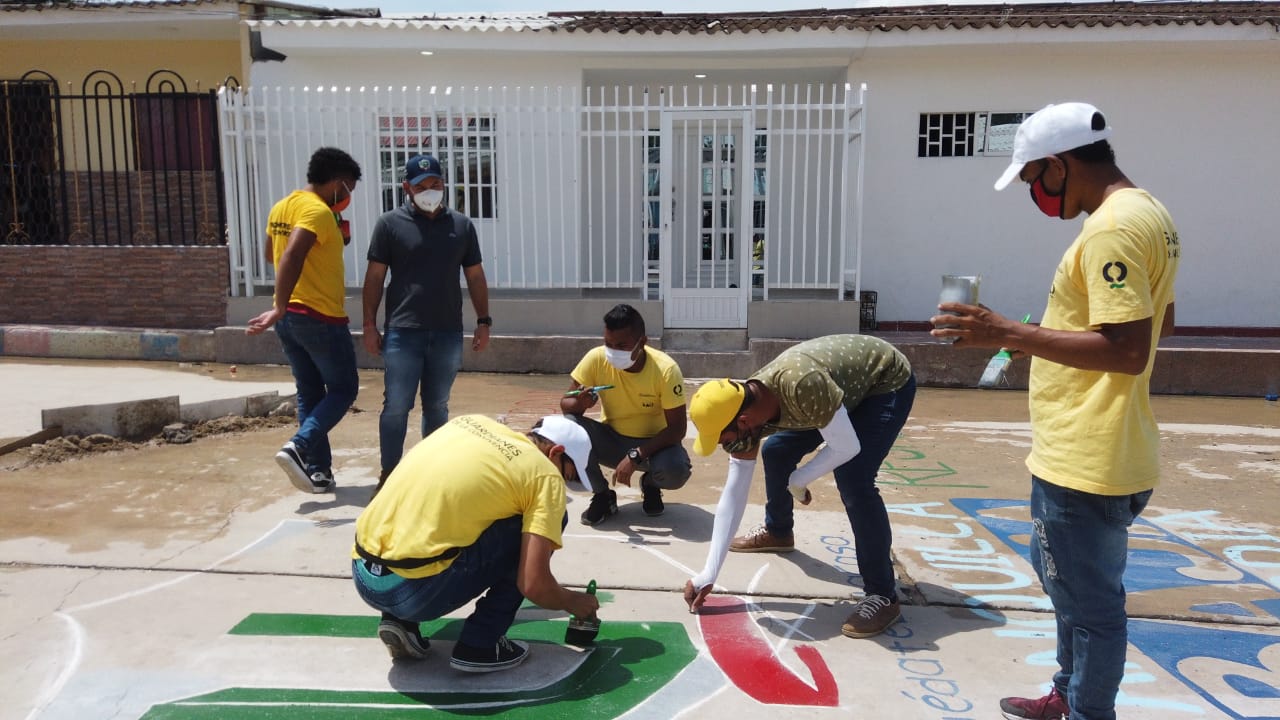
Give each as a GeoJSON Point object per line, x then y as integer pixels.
{"type": "Point", "coordinates": [761, 540]}
{"type": "Point", "coordinates": [871, 616]}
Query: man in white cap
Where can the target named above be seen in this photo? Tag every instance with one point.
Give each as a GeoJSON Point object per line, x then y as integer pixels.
{"type": "Point", "coordinates": [474, 509]}
{"type": "Point", "coordinates": [1095, 445]}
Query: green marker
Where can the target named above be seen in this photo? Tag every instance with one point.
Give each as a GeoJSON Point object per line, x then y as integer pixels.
{"type": "Point", "coordinates": [593, 389]}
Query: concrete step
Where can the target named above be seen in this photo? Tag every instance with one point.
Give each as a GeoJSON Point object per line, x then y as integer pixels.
{"type": "Point", "coordinates": [713, 341]}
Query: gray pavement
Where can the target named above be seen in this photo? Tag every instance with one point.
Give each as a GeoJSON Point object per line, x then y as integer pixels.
{"type": "Point", "coordinates": [193, 582]}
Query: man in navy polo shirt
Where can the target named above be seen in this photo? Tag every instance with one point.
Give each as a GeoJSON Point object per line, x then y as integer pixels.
{"type": "Point", "coordinates": [423, 244]}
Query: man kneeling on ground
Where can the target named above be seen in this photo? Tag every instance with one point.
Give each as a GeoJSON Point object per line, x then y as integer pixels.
{"type": "Point", "coordinates": [642, 419]}
{"type": "Point", "coordinates": [474, 508]}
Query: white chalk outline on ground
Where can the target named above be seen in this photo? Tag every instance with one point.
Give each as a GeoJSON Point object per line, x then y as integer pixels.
{"type": "Point", "coordinates": [77, 630]}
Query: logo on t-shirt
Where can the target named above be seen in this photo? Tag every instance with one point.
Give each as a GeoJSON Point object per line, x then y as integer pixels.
{"type": "Point", "coordinates": [1121, 272]}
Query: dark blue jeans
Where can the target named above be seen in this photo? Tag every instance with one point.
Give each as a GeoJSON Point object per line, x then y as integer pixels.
{"type": "Point", "coordinates": [323, 359]}
{"type": "Point", "coordinates": [490, 564]}
{"type": "Point", "coordinates": [426, 360]}
{"type": "Point", "coordinates": [877, 421]}
{"type": "Point", "coordinates": [1079, 550]}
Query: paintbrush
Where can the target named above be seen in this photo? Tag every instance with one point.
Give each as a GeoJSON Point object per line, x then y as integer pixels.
{"type": "Point", "coordinates": [582, 631]}
{"type": "Point", "coordinates": [994, 374]}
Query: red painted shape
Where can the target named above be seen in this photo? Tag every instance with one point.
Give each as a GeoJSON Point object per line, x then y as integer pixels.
{"type": "Point", "coordinates": [747, 658]}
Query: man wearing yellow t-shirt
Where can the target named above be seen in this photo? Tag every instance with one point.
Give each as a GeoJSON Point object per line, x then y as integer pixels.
{"type": "Point", "coordinates": [474, 508]}
{"type": "Point", "coordinates": [1095, 445]}
{"type": "Point", "coordinates": [305, 239]}
{"type": "Point", "coordinates": [642, 415]}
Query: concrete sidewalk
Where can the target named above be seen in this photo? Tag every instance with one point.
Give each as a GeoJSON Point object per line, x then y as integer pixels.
{"type": "Point", "coordinates": [193, 582]}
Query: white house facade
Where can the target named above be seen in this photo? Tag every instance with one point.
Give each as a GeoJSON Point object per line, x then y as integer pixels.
{"type": "Point", "coordinates": [764, 171]}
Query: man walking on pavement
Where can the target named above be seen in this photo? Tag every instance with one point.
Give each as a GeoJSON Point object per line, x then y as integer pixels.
{"type": "Point", "coordinates": [1095, 445]}
{"type": "Point", "coordinates": [475, 510]}
{"type": "Point", "coordinates": [305, 240]}
{"type": "Point", "coordinates": [642, 419]}
{"type": "Point", "coordinates": [423, 244]}
{"type": "Point", "coordinates": [853, 392]}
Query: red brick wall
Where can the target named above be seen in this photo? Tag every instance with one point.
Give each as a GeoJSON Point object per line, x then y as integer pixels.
{"type": "Point", "coordinates": [183, 287]}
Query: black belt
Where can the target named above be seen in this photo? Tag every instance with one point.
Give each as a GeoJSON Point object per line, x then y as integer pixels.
{"type": "Point", "coordinates": [407, 563]}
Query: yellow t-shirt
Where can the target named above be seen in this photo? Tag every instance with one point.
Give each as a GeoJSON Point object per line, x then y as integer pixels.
{"type": "Point", "coordinates": [453, 485]}
{"type": "Point", "coordinates": [635, 405]}
{"type": "Point", "coordinates": [321, 286]}
{"type": "Point", "coordinates": [1094, 431]}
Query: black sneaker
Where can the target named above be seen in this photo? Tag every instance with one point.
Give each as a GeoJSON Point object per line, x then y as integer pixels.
{"type": "Point", "coordinates": [503, 656]}
{"type": "Point", "coordinates": [653, 505]}
{"type": "Point", "coordinates": [402, 639]}
{"type": "Point", "coordinates": [323, 482]}
{"type": "Point", "coordinates": [603, 504]}
{"type": "Point", "coordinates": [290, 460]}
{"type": "Point", "coordinates": [382, 480]}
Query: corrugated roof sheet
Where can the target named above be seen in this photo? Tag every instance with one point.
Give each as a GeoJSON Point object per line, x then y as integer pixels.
{"type": "Point", "coordinates": [939, 17]}
{"type": "Point", "coordinates": [912, 17]}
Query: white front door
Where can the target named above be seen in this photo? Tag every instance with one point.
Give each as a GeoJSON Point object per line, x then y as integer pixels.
{"type": "Point", "coordinates": [705, 253]}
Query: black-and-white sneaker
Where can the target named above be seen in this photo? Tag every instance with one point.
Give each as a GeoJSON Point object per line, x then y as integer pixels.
{"type": "Point", "coordinates": [505, 655]}
{"type": "Point", "coordinates": [291, 461]}
{"type": "Point", "coordinates": [323, 482]}
{"type": "Point", "coordinates": [402, 639]}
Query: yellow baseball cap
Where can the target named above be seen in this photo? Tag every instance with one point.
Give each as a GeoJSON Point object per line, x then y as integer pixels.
{"type": "Point", "coordinates": [712, 408]}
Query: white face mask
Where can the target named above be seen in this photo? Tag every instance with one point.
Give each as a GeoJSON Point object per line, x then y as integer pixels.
{"type": "Point", "coordinates": [620, 359]}
{"type": "Point", "coordinates": [428, 201]}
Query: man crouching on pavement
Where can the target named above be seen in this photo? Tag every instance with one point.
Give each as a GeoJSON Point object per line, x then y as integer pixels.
{"type": "Point", "coordinates": [474, 508]}
{"type": "Point", "coordinates": [852, 392]}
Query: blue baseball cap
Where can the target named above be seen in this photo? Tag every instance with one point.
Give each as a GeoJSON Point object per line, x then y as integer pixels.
{"type": "Point", "coordinates": [421, 167]}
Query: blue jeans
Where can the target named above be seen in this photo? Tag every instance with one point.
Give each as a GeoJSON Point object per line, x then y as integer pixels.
{"type": "Point", "coordinates": [415, 359]}
{"type": "Point", "coordinates": [1079, 550]}
{"type": "Point", "coordinates": [877, 421]}
{"type": "Point", "coordinates": [490, 563]}
{"type": "Point", "coordinates": [323, 359]}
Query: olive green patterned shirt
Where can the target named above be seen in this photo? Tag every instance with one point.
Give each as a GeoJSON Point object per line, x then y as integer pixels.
{"type": "Point", "coordinates": [816, 378]}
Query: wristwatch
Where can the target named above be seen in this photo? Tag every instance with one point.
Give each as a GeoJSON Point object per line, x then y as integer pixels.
{"type": "Point", "coordinates": [486, 320]}
{"type": "Point", "coordinates": [634, 455]}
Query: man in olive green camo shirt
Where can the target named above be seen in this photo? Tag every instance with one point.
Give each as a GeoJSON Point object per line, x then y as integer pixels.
{"type": "Point", "coordinates": [853, 392]}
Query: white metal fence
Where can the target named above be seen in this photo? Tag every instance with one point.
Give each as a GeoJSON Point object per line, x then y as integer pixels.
{"type": "Point", "coordinates": [562, 183]}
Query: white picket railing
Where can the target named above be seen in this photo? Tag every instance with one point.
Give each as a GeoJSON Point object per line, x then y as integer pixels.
{"type": "Point", "coordinates": [561, 182]}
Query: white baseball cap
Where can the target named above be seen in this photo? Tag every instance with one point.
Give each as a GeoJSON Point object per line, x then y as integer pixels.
{"type": "Point", "coordinates": [577, 444]}
{"type": "Point", "coordinates": [1051, 130]}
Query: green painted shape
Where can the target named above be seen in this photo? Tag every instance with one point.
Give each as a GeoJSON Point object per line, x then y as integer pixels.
{"type": "Point", "coordinates": [631, 662]}
{"type": "Point", "coordinates": [290, 625]}
{"type": "Point", "coordinates": [604, 597]}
